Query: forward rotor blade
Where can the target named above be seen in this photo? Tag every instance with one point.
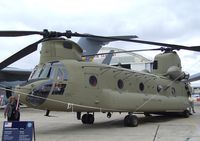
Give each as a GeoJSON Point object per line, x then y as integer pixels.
{"type": "Point", "coordinates": [126, 51]}
{"type": "Point", "coordinates": [46, 34]}
{"type": "Point", "coordinates": [20, 54]}
{"type": "Point", "coordinates": [18, 33]}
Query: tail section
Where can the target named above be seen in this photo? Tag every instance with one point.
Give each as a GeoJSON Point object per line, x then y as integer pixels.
{"type": "Point", "coordinates": [92, 46]}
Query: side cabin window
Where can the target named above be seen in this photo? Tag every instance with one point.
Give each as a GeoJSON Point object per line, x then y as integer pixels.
{"type": "Point", "coordinates": [120, 84]}
{"type": "Point", "coordinates": [59, 89]}
{"type": "Point", "coordinates": [141, 87]}
{"type": "Point", "coordinates": [91, 80]}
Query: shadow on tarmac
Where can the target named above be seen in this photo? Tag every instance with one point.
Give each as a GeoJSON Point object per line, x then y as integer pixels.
{"type": "Point", "coordinates": [110, 124]}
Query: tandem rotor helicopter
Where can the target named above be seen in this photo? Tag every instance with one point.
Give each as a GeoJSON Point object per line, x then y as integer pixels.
{"type": "Point", "coordinates": [62, 81]}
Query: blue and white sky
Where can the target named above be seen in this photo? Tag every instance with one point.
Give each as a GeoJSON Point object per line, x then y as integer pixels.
{"type": "Point", "coordinates": [168, 21]}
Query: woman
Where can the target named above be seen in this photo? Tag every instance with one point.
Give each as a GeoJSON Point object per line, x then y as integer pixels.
{"type": "Point", "coordinates": [12, 110]}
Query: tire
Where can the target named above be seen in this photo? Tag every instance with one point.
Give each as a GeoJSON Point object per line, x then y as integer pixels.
{"type": "Point", "coordinates": [126, 121]}
{"type": "Point", "coordinates": [186, 114]}
{"type": "Point", "coordinates": [84, 118]}
{"type": "Point", "coordinates": [87, 119]}
{"type": "Point", "coordinates": [131, 121]}
{"type": "Point", "coordinates": [90, 119]}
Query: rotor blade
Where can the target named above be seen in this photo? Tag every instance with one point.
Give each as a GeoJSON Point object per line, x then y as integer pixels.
{"type": "Point", "coordinates": [20, 54]}
{"type": "Point", "coordinates": [69, 34]}
{"type": "Point", "coordinates": [18, 33]}
{"type": "Point", "coordinates": [125, 51]}
{"type": "Point", "coordinates": [109, 40]}
{"type": "Point", "coordinates": [194, 77]}
{"type": "Point", "coordinates": [46, 34]}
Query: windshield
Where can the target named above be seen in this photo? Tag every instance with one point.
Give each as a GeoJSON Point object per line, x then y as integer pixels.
{"type": "Point", "coordinates": [49, 70]}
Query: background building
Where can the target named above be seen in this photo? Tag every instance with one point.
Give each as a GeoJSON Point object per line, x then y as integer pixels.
{"type": "Point", "coordinates": [128, 60]}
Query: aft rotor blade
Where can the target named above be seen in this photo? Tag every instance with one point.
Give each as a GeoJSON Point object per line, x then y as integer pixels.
{"type": "Point", "coordinates": [69, 34]}
{"type": "Point", "coordinates": [194, 77]}
{"type": "Point", "coordinates": [126, 51]}
{"type": "Point", "coordinates": [18, 33]}
{"type": "Point", "coordinates": [20, 54]}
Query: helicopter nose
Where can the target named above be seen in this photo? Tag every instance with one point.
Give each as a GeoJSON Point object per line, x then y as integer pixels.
{"type": "Point", "coordinates": [39, 94]}
{"type": "Point", "coordinates": [23, 92]}
{"type": "Point", "coordinates": [34, 94]}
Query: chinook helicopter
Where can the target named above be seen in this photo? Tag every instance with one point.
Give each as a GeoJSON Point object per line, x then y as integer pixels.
{"type": "Point", "coordinates": [62, 81]}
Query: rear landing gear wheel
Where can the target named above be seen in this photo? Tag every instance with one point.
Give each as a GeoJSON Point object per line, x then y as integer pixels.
{"type": "Point", "coordinates": [131, 121]}
{"type": "Point", "coordinates": [186, 114]}
{"type": "Point", "coordinates": [87, 119]}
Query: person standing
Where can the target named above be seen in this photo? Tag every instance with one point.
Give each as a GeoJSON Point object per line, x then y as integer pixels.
{"type": "Point", "coordinates": [12, 110]}
{"type": "Point", "coordinates": [191, 104]}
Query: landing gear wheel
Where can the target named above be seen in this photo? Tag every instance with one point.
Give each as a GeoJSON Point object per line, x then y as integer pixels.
{"type": "Point", "coordinates": [131, 121]}
{"type": "Point", "coordinates": [186, 114]}
{"type": "Point", "coordinates": [87, 119]}
{"type": "Point", "coordinates": [90, 119]}
{"type": "Point", "coordinates": [84, 118]}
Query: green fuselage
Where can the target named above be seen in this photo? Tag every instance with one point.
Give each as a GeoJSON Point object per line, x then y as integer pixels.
{"type": "Point", "coordinates": [90, 87]}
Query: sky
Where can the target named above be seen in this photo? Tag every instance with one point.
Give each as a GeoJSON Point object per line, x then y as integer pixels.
{"type": "Point", "coordinates": [168, 21]}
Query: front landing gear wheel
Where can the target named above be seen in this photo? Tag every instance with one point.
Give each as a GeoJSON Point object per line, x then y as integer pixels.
{"type": "Point", "coordinates": [186, 114]}
{"type": "Point", "coordinates": [131, 121]}
{"type": "Point", "coordinates": [87, 119]}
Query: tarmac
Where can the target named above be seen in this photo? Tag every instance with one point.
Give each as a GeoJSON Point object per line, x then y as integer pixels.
{"type": "Point", "coordinates": [63, 126]}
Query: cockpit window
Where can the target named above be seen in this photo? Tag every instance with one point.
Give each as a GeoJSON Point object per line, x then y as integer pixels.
{"type": "Point", "coordinates": [59, 74]}
{"type": "Point", "coordinates": [45, 72]}
{"type": "Point", "coordinates": [35, 73]}
{"type": "Point", "coordinates": [50, 70]}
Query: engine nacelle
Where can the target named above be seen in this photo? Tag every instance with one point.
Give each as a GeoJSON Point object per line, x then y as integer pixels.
{"type": "Point", "coordinates": [175, 73]}
{"type": "Point", "coordinates": [163, 61]}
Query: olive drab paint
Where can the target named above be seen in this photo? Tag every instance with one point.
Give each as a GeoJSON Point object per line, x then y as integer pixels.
{"type": "Point", "coordinates": [91, 87]}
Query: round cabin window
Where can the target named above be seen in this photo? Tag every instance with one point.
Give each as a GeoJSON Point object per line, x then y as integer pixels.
{"type": "Point", "coordinates": [120, 84]}
{"type": "Point", "coordinates": [93, 80]}
{"type": "Point", "coordinates": [141, 87]}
